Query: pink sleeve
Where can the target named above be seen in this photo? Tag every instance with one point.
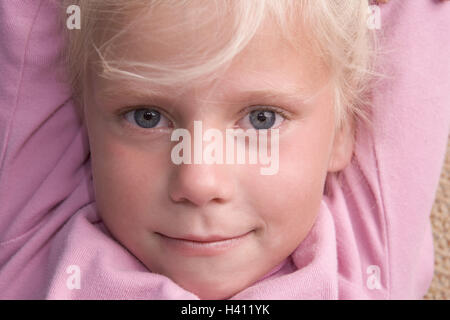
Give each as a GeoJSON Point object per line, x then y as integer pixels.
{"type": "Point", "coordinates": [390, 187]}
{"type": "Point", "coordinates": [42, 149]}
{"type": "Point", "coordinates": [412, 119]}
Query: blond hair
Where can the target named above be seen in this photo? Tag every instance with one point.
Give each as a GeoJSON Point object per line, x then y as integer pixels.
{"type": "Point", "coordinates": [339, 34]}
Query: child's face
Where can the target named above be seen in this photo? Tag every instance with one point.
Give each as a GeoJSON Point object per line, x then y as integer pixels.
{"type": "Point", "coordinates": [141, 194]}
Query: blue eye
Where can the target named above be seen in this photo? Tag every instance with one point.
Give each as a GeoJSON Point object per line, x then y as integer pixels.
{"type": "Point", "coordinates": [146, 118]}
{"type": "Point", "coordinates": [264, 118]}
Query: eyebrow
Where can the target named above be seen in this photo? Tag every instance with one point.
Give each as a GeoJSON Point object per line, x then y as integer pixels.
{"type": "Point", "coordinates": [237, 96]}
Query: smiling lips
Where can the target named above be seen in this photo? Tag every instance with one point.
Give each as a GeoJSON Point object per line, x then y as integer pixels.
{"type": "Point", "coordinates": [208, 239]}
{"type": "Point", "coordinates": [194, 245]}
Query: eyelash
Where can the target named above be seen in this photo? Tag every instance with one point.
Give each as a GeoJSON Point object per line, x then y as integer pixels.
{"type": "Point", "coordinates": [245, 111]}
{"type": "Point", "coordinates": [275, 109]}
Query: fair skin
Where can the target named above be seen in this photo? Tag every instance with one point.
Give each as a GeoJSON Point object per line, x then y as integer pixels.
{"type": "Point", "coordinates": [141, 194]}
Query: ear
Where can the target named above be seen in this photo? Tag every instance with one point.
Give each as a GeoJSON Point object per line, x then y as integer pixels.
{"type": "Point", "coordinates": [343, 145]}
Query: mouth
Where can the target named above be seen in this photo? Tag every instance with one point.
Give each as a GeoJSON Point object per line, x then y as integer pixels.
{"type": "Point", "coordinates": [202, 245]}
{"type": "Point", "coordinates": [204, 239]}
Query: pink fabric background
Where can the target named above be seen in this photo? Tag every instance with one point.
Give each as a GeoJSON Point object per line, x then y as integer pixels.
{"type": "Point", "coordinates": [378, 214]}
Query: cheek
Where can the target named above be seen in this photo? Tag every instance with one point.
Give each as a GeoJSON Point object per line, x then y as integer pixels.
{"type": "Point", "coordinates": [127, 180]}
{"type": "Point", "coordinates": [288, 202]}
{"type": "Point", "coordinates": [126, 171]}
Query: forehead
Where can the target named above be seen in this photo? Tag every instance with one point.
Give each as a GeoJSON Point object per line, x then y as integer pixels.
{"type": "Point", "coordinates": [166, 38]}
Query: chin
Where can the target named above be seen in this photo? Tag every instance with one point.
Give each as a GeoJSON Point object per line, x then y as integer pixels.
{"type": "Point", "coordinates": [214, 294]}
{"type": "Point", "coordinates": [214, 290]}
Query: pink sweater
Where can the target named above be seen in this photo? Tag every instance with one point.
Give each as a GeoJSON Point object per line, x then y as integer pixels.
{"type": "Point", "coordinates": [372, 237]}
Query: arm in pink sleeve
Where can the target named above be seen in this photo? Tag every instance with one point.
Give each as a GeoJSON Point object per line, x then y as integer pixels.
{"type": "Point", "coordinates": [383, 200]}
{"type": "Point", "coordinates": [412, 118]}
{"type": "Point", "coordinates": [42, 148]}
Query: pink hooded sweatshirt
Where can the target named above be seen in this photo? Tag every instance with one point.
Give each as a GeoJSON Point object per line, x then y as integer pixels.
{"type": "Point", "coordinates": [372, 237]}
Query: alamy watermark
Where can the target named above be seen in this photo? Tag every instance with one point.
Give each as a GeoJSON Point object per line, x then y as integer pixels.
{"type": "Point", "coordinates": [374, 278]}
{"type": "Point", "coordinates": [374, 17]}
{"type": "Point", "coordinates": [74, 19]}
{"type": "Point", "coordinates": [74, 280]}
{"type": "Point", "coordinates": [258, 151]}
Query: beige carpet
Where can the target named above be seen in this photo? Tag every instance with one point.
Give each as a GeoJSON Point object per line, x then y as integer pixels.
{"type": "Point", "coordinates": [440, 220]}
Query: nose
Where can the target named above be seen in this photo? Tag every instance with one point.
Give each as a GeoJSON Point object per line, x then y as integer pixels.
{"type": "Point", "coordinates": [200, 184]}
